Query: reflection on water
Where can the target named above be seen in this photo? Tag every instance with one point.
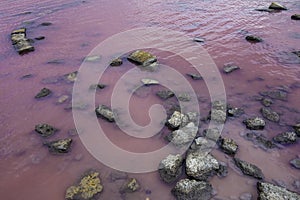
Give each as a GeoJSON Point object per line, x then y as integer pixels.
{"type": "Point", "coordinates": [28, 171]}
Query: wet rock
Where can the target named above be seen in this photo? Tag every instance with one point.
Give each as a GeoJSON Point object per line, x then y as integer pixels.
{"type": "Point", "coordinates": [297, 53]}
{"type": "Point", "coordinates": [248, 168]}
{"type": "Point", "coordinates": [295, 163]}
{"type": "Point", "coordinates": [170, 168]}
{"type": "Point", "coordinates": [147, 81]}
{"type": "Point", "coordinates": [246, 196]}
{"type": "Point", "coordinates": [59, 146]}
{"type": "Point", "coordinates": [267, 102]}
{"type": "Point", "coordinates": [118, 175]}
{"type": "Point", "coordinates": [260, 140]}
{"type": "Point", "coordinates": [219, 105]}
{"type": "Point", "coordinates": [212, 134]}
{"type": "Point", "coordinates": [186, 189]}
{"type": "Point", "coordinates": [183, 136]}
{"type": "Point", "coordinates": [277, 6]}
{"type": "Point", "coordinates": [142, 58]}
{"type": "Point", "coordinates": [165, 94]}
{"type": "Point", "coordinates": [130, 186]}
{"type": "Point", "coordinates": [45, 130]}
{"type": "Point", "coordinates": [297, 129]}
{"type": "Point", "coordinates": [286, 138]}
{"type": "Point", "coordinates": [255, 123]}
{"type": "Point", "coordinates": [184, 97]}
{"type": "Point", "coordinates": [71, 77]}
{"type": "Point", "coordinates": [218, 116]}
{"type": "Point", "coordinates": [228, 146]}
{"type": "Point", "coordinates": [27, 76]}
{"type": "Point", "coordinates": [20, 42]}
{"type": "Point", "coordinates": [295, 17]}
{"type": "Point", "coordinates": [195, 76]}
{"type": "Point", "coordinates": [253, 39]}
{"type": "Point", "coordinates": [199, 39]}
{"type": "Point", "coordinates": [235, 112]}
{"type": "Point", "coordinates": [46, 24]}
{"type": "Point", "coordinates": [94, 58]}
{"type": "Point", "coordinates": [105, 112]}
{"type": "Point", "coordinates": [116, 62]}
{"type": "Point", "coordinates": [201, 165]}
{"type": "Point", "coordinates": [177, 120]}
{"type": "Point", "coordinates": [270, 114]}
{"type": "Point", "coordinates": [40, 38]}
{"type": "Point", "coordinates": [223, 170]}
{"type": "Point", "coordinates": [88, 188]}
{"type": "Point", "coordinates": [43, 93]}
{"type": "Point", "coordinates": [97, 87]}
{"type": "Point", "coordinates": [230, 68]}
{"type": "Point", "coordinates": [62, 99]}
{"type": "Point", "coordinates": [275, 94]}
{"type": "Point", "coordinates": [268, 191]}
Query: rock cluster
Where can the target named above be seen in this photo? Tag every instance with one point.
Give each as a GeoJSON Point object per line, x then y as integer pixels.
{"type": "Point", "coordinates": [20, 42]}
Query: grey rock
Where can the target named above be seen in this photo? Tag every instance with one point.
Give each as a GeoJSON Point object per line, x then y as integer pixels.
{"type": "Point", "coordinates": [297, 129]}
{"type": "Point", "coordinates": [212, 134]}
{"type": "Point", "coordinates": [235, 112]}
{"type": "Point", "coordinates": [230, 68]}
{"type": "Point", "coordinates": [142, 58]}
{"type": "Point", "coordinates": [270, 114]}
{"type": "Point", "coordinates": [132, 185]}
{"type": "Point", "coordinates": [105, 112]}
{"type": "Point", "coordinates": [184, 97]}
{"type": "Point", "coordinates": [295, 163]}
{"type": "Point", "coordinates": [228, 146]}
{"type": "Point", "coordinates": [223, 170]}
{"type": "Point", "coordinates": [295, 17]}
{"type": "Point", "coordinates": [277, 6]}
{"type": "Point", "coordinates": [246, 196]}
{"type": "Point", "coordinates": [201, 165]}
{"type": "Point", "coordinates": [248, 168]}
{"type": "Point", "coordinates": [195, 76]}
{"type": "Point", "coordinates": [43, 93]}
{"type": "Point", "coordinates": [170, 168]}
{"type": "Point", "coordinates": [177, 120]}
{"type": "Point", "coordinates": [253, 39]}
{"type": "Point", "coordinates": [147, 81]}
{"type": "Point", "coordinates": [45, 130]}
{"type": "Point", "coordinates": [202, 144]}
{"type": "Point", "coordinates": [267, 102]}
{"type": "Point", "coordinates": [255, 123]}
{"type": "Point", "coordinates": [286, 138]}
{"type": "Point", "coordinates": [116, 62]}
{"type": "Point", "coordinates": [218, 116]}
{"type": "Point", "coordinates": [268, 191]}
{"type": "Point", "coordinates": [59, 146]}
{"type": "Point", "coordinates": [219, 105]}
{"type": "Point", "coordinates": [183, 136]}
{"type": "Point", "coordinates": [56, 61]}
{"type": "Point", "coordinates": [165, 94]}
{"type": "Point", "coordinates": [186, 189]}
{"type": "Point", "coordinates": [275, 94]}
{"type": "Point", "coordinates": [260, 140]}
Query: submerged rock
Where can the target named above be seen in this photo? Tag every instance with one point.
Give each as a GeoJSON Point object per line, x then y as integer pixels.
{"type": "Point", "coordinates": [105, 112]}
{"type": "Point", "coordinates": [260, 140]}
{"type": "Point", "coordinates": [248, 168]}
{"type": "Point", "coordinates": [46, 24]}
{"type": "Point", "coordinates": [118, 175]}
{"type": "Point", "coordinates": [255, 123]}
{"type": "Point", "coordinates": [253, 39]}
{"type": "Point", "coordinates": [277, 6]}
{"type": "Point", "coordinates": [45, 130]}
{"type": "Point", "coordinates": [297, 53]}
{"type": "Point", "coordinates": [186, 189]}
{"type": "Point", "coordinates": [246, 196]}
{"type": "Point", "coordinates": [230, 68]}
{"type": "Point", "coordinates": [201, 165]}
{"type": "Point", "coordinates": [43, 93]}
{"type": "Point", "coordinates": [40, 38]}
{"type": "Point", "coordinates": [59, 146]}
{"type": "Point", "coordinates": [266, 10]}
{"type": "Point", "coordinates": [184, 97]}
{"type": "Point", "coordinates": [195, 76]}
{"type": "Point", "coordinates": [116, 62]}
{"type": "Point", "coordinates": [87, 189]}
{"type": "Point", "coordinates": [286, 138]}
{"type": "Point", "coordinates": [267, 102]}
{"type": "Point", "coordinates": [147, 81]}
{"type": "Point", "coordinates": [183, 136]}
{"type": "Point", "coordinates": [142, 58]}
{"type": "Point", "coordinates": [177, 120]}
{"type": "Point", "coordinates": [20, 42]}
{"type": "Point", "coordinates": [275, 94]}
{"type": "Point", "coordinates": [297, 129]}
{"type": "Point", "coordinates": [165, 94]}
{"type": "Point", "coordinates": [228, 146]}
{"type": "Point", "coordinates": [295, 17]}
{"type": "Point", "coordinates": [130, 186]}
{"type": "Point", "coordinates": [270, 114]}
{"type": "Point", "coordinates": [97, 87]}
{"type": "Point", "coordinates": [170, 168]}
{"type": "Point", "coordinates": [268, 191]}
{"type": "Point", "coordinates": [295, 163]}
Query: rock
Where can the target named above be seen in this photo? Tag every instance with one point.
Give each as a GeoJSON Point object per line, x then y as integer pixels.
{"type": "Point", "coordinates": [94, 58]}
{"type": "Point", "coordinates": [199, 39]}
{"type": "Point", "coordinates": [43, 93]}
{"type": "Point", "coordinates": [295, 163]}
{"type": "Point", "coordinates": [246, 196]}
{"type": "Point", "coordinates": [59, 146]}
{"type": "Point", "coordinates": [45, 130]}
{"type": "Point", "coordinates": [116, 62]}
{"type": "Point", "coordinates": [195, 76]}
{"type": "Point", "coordinates": [230, 68]}
{"type": "Point", "coordinates": [170, 168]}
{"type": "Point", "coordinates": [219, 105]}
{"type": "Point", "coordinates": [186, 189]}
{"type": "Point", "coordinates": [177, 120]}
{"type": "Point", "coordinates": [223, 170]}
{"type": "Point", "coordinates": [165, 94]}
{"type": "Point", "coordinates": [275, 94]}
{"type": "Point", "coordinates": [40, 38]}
{"type": "Point", "coordinates": [147, 81]}
{"type": "Point", "coordinates": [253, 39]}
{"type": "Point", "coordinates": [105, 112]}
{"type": "Point", "coordinates": [77, 106]}
{"type": "Point", "coordinates": [266, 10]}
{"type": "Point", "coordinates": [235, 112]}
{"type": "Point", "coordinates": [270, 114]}
{"type": "Point", "coordinates": [56, 61]}
{"type": "Point", "coordinates": [218, 116]}
{"type": "Point", "coordinates": [27, 76]}
{"type": "Point", "coordinates": [184, 97]}
{"type": "Point", "coordinates": [277, 6]}
{"type": "Point", "coordinates": [295, 17]}
{"type": "Point", "coordinates": [260, 140]}
{"type": "Point", "coordinates": [183, 136]}
{"type": "Point", "coordinates": [297, 129]}
{"type": "Point", "coordinates": [201, 165]}
{"type": "Point", "coordinates": [297, 53]}
{"type": "Point", "coordinates": [267, 102]}
{"type": "Point", "coordinates": [118, 175]}
{"type": "Point", "coordinates": [130, 186]}
{"type": "Point", "coordinates": [202, 144]}
{"type": "Point", "coordinates": [228, 146]}
{"type": "Point", "coordinates": [46, 24]}
{"type": "Point", "coordinates": [268, 191]}
{"type": "Point", "coordinates": [20, 42]}
{"type": "Point", "coordinates": [212, 134]}
{"type": "Point", "coordinates": [71, 77]}
{"type": "Point", "coordinates": [97, 87]}
{"type": "Point", "coordinates": [255, 123]}
{"type": "Point", "coordinates": [286, 138]}
{"type": "Point", "coordinates": [88, 188]}
{"type": "Point", "coordinates": [62, 99]}
{"type": "Point", "coordinates": [142, 58]}
{"type": "Point", "coordinates": [249, 169]}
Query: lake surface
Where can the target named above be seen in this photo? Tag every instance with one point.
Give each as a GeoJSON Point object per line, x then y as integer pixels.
{"type": "Point", "coordinates": [29, 171]}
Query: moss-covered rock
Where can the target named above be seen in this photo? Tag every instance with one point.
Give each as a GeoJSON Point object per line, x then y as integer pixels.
{"type": "Point", "coordinates": [142, 58]}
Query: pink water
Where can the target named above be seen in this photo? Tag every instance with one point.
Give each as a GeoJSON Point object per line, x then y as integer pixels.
{"type": "Point", "coordinates": [28, 171]}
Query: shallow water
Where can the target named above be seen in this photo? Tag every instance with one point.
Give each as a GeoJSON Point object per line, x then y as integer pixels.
{"type": "Point", "coordinates": [29, 171]}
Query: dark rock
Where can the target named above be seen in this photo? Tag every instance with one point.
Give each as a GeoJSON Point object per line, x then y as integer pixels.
{"type": "Point", "coordinates": [268, 191]}
{"type": "Point", "coordinates": [228, 146]}
{"type": "Point", "coordinates": [177, 120]}
{"type": "Point", "coordinates": [186, 189]}
{"type": "Point", "coordinates": [286, 138]}
{"type": "Point", "coordinates": [195, 76]}
{"type": "Point", "coordinates": [255, 123]}
{"type": "Point", "coordinates": [116, 62]}
{"type": "Point", "coordinates": [253, 39]}
{"type": "Point", "coordinates": [295, 17]}
{"type": "Point", "coordinates": [275, 94]}
{"type": "Point", "coordinates": [277, 6]}
{"type": "Point", "coordinates": [248, 168]}
{"type": "Point", "coordinates": [43, 93]}
{"type": "Point", "coordinates": [105, 112]}
{"type": "Point", "coordinates": [142, 58]}
{"type": "Point", "coordinates": [270, 114]}
{"type": "Point", "coordinates": [27, 76]}
{"type": "Point", "coordinates": [295, 163]}
{"type": "Point", "coordinates": [297, 53]}
{"type": "Point", "coordinates": [183, 136]}
{"type": "Point", "coordinates": [170, 168]}
{"type": "Point", "coordinates": [59, 146]}
{"type": "Point", "coordinates": [223, 170]}
{"type": "Point", "coordinates": [260, 140]}
{"type": "Point", "coordinates": [165, 94]}
{"type": "Point", "coordinates": [235, 112]}
{"type": "Point", "coordinates": [46, 24]}
{"type": "Point", "coordinates": [184, 97]}
{"type": "Point", "coordinates": [267, 102]}
{"type": "Point", "coordinates": [118, 175]}
{"type": "Point", "coordinates": [76, 106]}
{"type": "Point", "coordinates": [40, 38]}
{"type": "Point", "coordinates": [130, 186]}
{"type": "Point", "coordinates": [20, 42]}
{"type": "Point", "coordinates": [230, 68]}
{"type": "Point", "coordinates": [297, 129]}
{"type": "Point", "coordinates": [97, 86]}
{"type": "Point", "coordinates": [45, 130]}
{"type": "Point", "coordinates": [212, 134]}
{"type": "Point", "coordinates": [199, 39]}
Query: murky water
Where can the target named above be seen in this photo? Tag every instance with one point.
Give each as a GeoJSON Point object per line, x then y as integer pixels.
{"type": "Point", "coordinates": [29, 171]}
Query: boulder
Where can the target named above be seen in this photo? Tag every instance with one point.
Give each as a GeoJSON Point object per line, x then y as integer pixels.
{"type": "Point", "coordinates": [45, 130]}
{"type": "Point", "coordinates": [43, 93]}
{"type": "Point", "coordinates": [295, 17]}
{"type": "Point", "coordinates": [105, 113]}
{"type": "Point", "coordinates": [177, 120]}
{"type": "Point", "coordinates": [228, 146]}
{"type": "Point", "coordinates": [253, 39]}
{"type": "Point", "coordinates": [183, 136]}
{"type": "Point", "coordinates": [142, 58]}
{"type": "Point", "coordinates": [230, 68]}
{"type": "Point", "coordinates": [130, 186]}
{"type": "Point", "coordinates": [170, 168]}
{"type": "Point", "coordinates": [248, 168]}
{"type": "Point", "coordinates": [295, 163]}
{"type": "Point", "coordinates": [255, 123]}
{"type": "Point", "coordinates": [20, 42]}
{"type": "Point", "coordinates": [277, 6]}
{"type": "Point", "coordinates": [165, 94]}
{"type": "Point", "coordinates": [286, 138]}
{"type": "Point", "coordinates": [116, 62]}
{"type": "Point", "coordinates": [268, 191]}
{"type": "Point", "coordinates": [270, 114]}
{"type": "Point", "coordinates": [186, 189]}
{"type": "Point", "coordinates": [59, 146]}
